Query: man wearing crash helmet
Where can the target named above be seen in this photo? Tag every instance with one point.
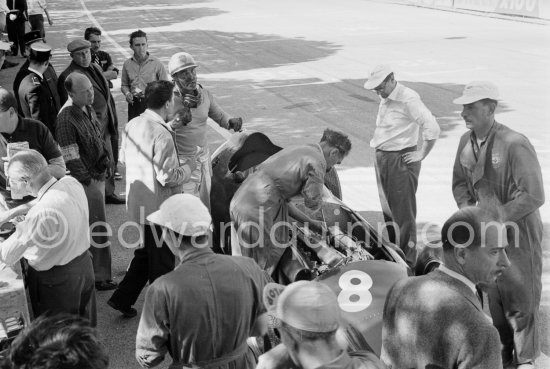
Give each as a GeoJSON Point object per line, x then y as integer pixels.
{"type": "Point", "coordinates": [191, 138]}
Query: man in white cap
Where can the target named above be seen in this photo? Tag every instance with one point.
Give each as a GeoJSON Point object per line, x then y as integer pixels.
{"type": "Point", "coordinates": [437, 320]}
{"type": "Point", "coordinates": [401, 117]}
{"type": "Point", "coordinates": [191, 138]}
{"type": "Point", "coordinates": [307, 316]}
{"type": "Point", "coordinates": [497, 163]}
{"type": "Point", "coordinates": [202, 312]}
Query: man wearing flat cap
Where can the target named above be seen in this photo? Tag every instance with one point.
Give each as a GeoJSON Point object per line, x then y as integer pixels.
{"type": "Point", "coordinates": [402, 116]}
{"type": "Point", "coordinates": [496, 163]}
{"type": "Point", "coordinates": [49, 75]}
{"type": "Point", "coordinates": [202, 312]}
{"type": "Point", "coordinates": [104, 105]}
{"type": "Point", "coordinates": [307, 315]}
{"type": "Point", "coordinates": [38, 98]}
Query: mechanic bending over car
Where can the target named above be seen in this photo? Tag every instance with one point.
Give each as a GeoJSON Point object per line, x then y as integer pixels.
{"type": "Point", "coordinates": [260, 208]}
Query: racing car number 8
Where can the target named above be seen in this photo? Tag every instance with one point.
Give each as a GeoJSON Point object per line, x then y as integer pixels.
{"type": "Point", "coordinates": [355, 295]}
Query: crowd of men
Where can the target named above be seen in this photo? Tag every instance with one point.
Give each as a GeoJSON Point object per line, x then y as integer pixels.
{"type": "Point", "coordinates": [60, 135]}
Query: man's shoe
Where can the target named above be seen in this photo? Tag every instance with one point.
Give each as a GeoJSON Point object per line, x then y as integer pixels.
{"type": "Point", "coordinates": [526, 366]}
{"type": "Point", "coordinates": [127, 311]}
{"type": "Point", "coordinates": [106, 285]}
{"type": "Point", "coordinates": [114, 199]}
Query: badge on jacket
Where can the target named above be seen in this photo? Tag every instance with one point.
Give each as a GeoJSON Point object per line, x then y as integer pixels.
{"type": "Point", "coordinates": [496, 160]}
{"type": "Point", "coordinates": [35, 81]}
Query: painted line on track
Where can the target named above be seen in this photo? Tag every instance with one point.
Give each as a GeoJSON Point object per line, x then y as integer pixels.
{"type": "Point", "coordinates": [224, 133]}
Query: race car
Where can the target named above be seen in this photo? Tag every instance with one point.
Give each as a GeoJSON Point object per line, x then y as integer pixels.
{"type": "Point", "coordinates": [358, 263]}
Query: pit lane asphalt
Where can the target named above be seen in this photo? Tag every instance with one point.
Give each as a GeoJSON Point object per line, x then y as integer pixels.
{"type": "Point", "coordinates": [291, 69]}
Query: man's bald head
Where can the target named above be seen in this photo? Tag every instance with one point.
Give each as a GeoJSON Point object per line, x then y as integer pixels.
{"type": "Point", "coordinates": [80, 89]}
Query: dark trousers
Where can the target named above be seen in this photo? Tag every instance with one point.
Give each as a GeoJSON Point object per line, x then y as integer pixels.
{"type": "Point", "coordinates": [111, 142]}
{"type": "Point", "coordinates": [151, 261]}
{"type": "Point", "coordinates": [101, 245]}
{"type": "Point", "coordinates": [136, 108]}
{"type": "Point", "coordinates": [65, 288]}
{"type": "Point", "coordinates": [397, 183]}
{"type": "Point", "coordinates": [37, 24]}
{"type": "Point", "coordinates": [16, 33]}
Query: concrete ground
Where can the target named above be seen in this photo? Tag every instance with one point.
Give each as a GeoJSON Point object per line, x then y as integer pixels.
{"type": "Point", "coordinates": [291, 69]}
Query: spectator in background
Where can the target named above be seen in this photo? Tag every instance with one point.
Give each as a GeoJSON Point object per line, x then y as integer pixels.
{"type": "Point", "coordinates": [86, 156]}
{"type": "Point", "coordinates": [4, 47]}
{"type": "Point", "coordinates": [54, 238]}
{"type": "Point", "coordinates": [15, 23]}
{"type": "Point", "coordinates": [34, 135]}
{"type": "Point", "coordinates": [3, 11]}
{"type": "Point", "coordinates": [59, 341]}
{"type": "Point", "coordinates": [103, 104]}
{"type": "Point", "coordinates": [36, 19]}
{"type": "Point", "coordinates": [137, 72]}
{"type": "Point", "coordinates": [38, 98]}
{"type": "Point", "coordinates": [99, 57]}
{"type": "Point", "coordinates": [49, 75]}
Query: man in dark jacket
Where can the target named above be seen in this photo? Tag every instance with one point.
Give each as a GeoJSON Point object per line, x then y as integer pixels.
{"type": "Point", "coordinates": [104, 104]}
{"type": "Point", "coordinates": [496, 163]}
{"type": "Point", "coordinates": [38, 98]}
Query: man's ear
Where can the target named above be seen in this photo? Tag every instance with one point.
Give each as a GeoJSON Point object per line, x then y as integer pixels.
{"type": "Point", "coordinates": [460, 255]}
{"type": "Point", "coordinates": [334, 152]}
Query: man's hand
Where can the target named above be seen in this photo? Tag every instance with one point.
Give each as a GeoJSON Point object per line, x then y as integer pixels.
{"type": "Point", "coordinates": [190, 101]}
{"type": "Point", "coordinates": [50, 22]}
{"type": "Point", "coordinates": [129, 97]}
{"type": "Point", "coordinates": [236, 124]}
{"type": "Point", "coordinates": [413, 156]}
{"type": "Point", "coordinates": [181, 118]}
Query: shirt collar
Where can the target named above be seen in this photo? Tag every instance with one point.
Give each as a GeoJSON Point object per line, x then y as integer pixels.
{"type": "Point", "coordinates": [45, 188]}
{"type": "Point", "coordinates": [157, 118]}
{"type": "Point", "coordinates": [460, 277]}
{"type": "Point", "coordinates": [146, 59]}
{"type": "Point", "coordinates": [36, 72]}
{"type": "Point", "coordinates": [394, 94]}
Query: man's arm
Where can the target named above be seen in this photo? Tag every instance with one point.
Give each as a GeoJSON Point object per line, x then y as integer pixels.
{"type": "Point", "coordinates": [525, 169]}
{"type": "Point", "coordinates": [32, 98]}
{"type": "Point", "coordinates": [215, 111]}
{"type": "Point", "coordinates": [421, 115]}
{"type": "Point", "coordinates": [126, 84]}
{"type": "Point", "coordinates": [22, 209]}
{"type": "Point", "coordinates": [56, 167]}
{"type": "Point", "coordinates": [110, 72]}
{"type": "Point", "coordinates": [67, 139]}
{"type": "Point", "coordinates": [460, 188]}
{"type": "Point", "coordinates": [166, 165]}
{"type": "Point", "coordinates": [152, 334]}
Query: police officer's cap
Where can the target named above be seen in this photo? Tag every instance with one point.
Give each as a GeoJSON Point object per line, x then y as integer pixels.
{"type": "Point", "coordinates": [78, 45]}
{"type": "Point", "coordinates": [40, 52]}
{"type": "Point", "coordinates": [31, 37]}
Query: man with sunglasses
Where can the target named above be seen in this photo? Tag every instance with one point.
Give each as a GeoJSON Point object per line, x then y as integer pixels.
{"type": "Point", "coordinates": [401, 117]}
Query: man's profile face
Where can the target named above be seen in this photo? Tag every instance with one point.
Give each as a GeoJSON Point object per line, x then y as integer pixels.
{"type": "Point", "coordinates": [486, 263]}
{"type": "Point", "coordinates": [95, 40]}
{"type": "Point", "coordinates": [82, 92]}
{"type": "Point", "coordinates": [139, 46]}
{"type": "Point", "coordinates": [82, 58]}
{"type": "Point", "coordinates": [477, 115]}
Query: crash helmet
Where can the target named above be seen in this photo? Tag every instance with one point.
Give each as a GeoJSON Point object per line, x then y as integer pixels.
{"type": "Point", "coordinates": [180, 61]}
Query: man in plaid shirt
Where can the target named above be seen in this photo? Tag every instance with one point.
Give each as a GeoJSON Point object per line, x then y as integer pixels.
{"type": "Point", "coordinates": [79, 135]}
